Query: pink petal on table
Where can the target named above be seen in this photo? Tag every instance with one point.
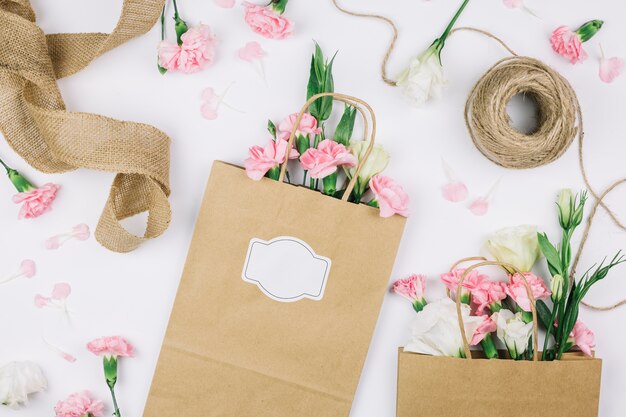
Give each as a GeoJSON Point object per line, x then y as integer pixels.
{"type": "Point", "coordinates": [81, 232]}
{"type": "Point", "coordinates": [480, 206]}
{"type": "Point", "coordinates": [610, 68]}
{"type": "Point", "coordinates": [208, 94]}
{"type": "Point", "coordinates": [454, 191]}
{"type": "Point", "coordinates": [226, 4]}
{"type": "Point", "coordinates": [28, 268]}
{"type": "Point", "coordinates": [251, 51]}
{"type": "Point", "coordinates": [68, 357]}
{"type": "Point", "coordinates": [41, 301]}
{"type": "Point", "coordinates": [53, 243]}
{"type": "Point", "coordinates": [208, 111]}
{"type": "Point", "coordinates": [61, 291]}
{"type": "Point", "coordinates": [513, 4]}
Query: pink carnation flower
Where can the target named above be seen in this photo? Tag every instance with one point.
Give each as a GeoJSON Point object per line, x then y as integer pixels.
{"type": "Point", "coordinates": [266, 22]}
{"type": "Point", "coordinates": [411, 288]}
{"type": "Point", "coordinates": [486, 327]}
{"type": "Point", "coordinates": [307, 126]}
{"type": "Point", "coordinates": [568, 44]}
{"type": "Point", "coordinates": [110, 346]}
{"type": "Point", "coordinates": [471, 283]}
{"type": "Point", "coordinates": [37, 201]}
{"type": "Point", "coordinates": [79, 404]}
{"type": "Point", "coordinates": [486, 294]}
{"type": "Point", "coordinates": [324, 160]}
{"type": "Point", "coordinates": [391, 197]}
{"type": "Point", "coordinates": [582, 337]}
{"type": "Point", "coordinates": [196, 52]}
{"type": "Point", "coordinates": [517, 289]}
{"type": "Point", "coordinates": [263, 159]}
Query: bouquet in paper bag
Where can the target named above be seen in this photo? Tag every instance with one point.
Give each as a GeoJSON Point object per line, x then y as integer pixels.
{"type": "Point", "coordinates": [485, 312]}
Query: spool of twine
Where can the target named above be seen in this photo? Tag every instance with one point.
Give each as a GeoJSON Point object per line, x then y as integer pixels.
{"type": "Point", "coordinates": [559, 122]}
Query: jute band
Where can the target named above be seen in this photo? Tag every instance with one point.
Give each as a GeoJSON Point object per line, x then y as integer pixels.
{"type": "Point", "coordinates": [37, 125]}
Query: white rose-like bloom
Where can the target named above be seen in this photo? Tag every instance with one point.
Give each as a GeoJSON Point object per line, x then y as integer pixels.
{"type": "Point", "coordinates": [513, 332]}
{"type": "Point", "coordinates": [423, 78]}
{"type": "Point", "coordinates": [517, 246]}
{"type": "Point", "coordinates": [435, 330]}
{"type": "Point", "coordinates": [18, 380]}
{"type": "Point", "coordinates": [375, 164]}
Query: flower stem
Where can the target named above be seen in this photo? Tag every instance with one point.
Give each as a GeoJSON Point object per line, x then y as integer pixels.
{"type": "Point", "coordinates": [163, 24]}
{"type": "Point", "coordinates": [548, 333]}
{"type": "Point", "coordinates": [116, 411]}
{"type": "Point", "coordinates": [446, 32]}
{"type": "Point", "coordinates": [175, 8]}
{"type": "Point", "coordinates": [5, 165]}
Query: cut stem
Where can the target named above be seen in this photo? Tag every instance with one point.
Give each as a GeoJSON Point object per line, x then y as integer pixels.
{"type": "Point", "coordinates": [446, 32]}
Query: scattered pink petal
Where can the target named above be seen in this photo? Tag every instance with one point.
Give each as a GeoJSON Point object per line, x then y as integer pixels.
{"type": "Point", "coordinates": [208, 111]}
{"type": "Point", "coordinates": [61, 291]}
{"type": "Point", "coordinates": [81, 232]}
{"type": "Point", "coordinates": [251, 51]}
{"type": "Point", "coordinates": [68, 357]}
{"type": "Point", "coordinates": [212, 101]}
{"type": "Point", "coordinates": [610, 68]}
{"type": "Point", "coordinates": [208, 94]}
{"type": "Point", "coordinates": [226, 4]}
{"type": "Point", "coordinates": [41, 301]}
{"type": "Point", "coordinates": [53, 243]}
{"type": "Point", "coordinates": [513, 4]}
{"type": "Point", "coordinates": [454, 191]}
{"type": "Point", "coordinates": [28, 268]}
{"type": "Point", "coordinates": [480, 206]}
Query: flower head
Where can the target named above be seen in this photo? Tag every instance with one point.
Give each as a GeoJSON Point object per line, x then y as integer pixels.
{"type": "Point", "coordinates": [79, 404]}
{"type": "Point", "coordinates": [413, 289]}
{"type": "Point", "coordinates": [424, 77]}
{"type": "Point", "coordinates": [517, 246]}
{"type": "Point", "coordinates": [375, 164]}
{"type": "Point", "coordinates": [488, 295]}
{"type": "Point", "coordinates": [471, 283]}
{"type": "Point", "coordinates": [266, 22]}
{"type": "Point", "coordinates": [195, 53]}
{"type": "Point", "coordinates": [582, 337]}
{"type": "Point", "coordinates": [36, 201]}
{"type": "Point", "coordinates": [513, 331]}
{"type": "Point", "coordinates": [324, 160]}
{"type": "Point", "coordinates": [261, 160]}
{"type": "Point", "coordinates": [568, 43]}
{"type": "Point", "coordinates": [518, 292]}
{"type": "Point", "coordinates": [390, 196]}
{"type": "Point", "coordinates": [307, 126]}
{"type": "Point", "coordinates": [486, 327]}
{"type": "Point", "coordinates": [110, 346]}
{"type": "Point", "coordinates": [18, 380]}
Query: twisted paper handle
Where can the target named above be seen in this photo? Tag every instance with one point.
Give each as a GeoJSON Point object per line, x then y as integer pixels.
{"type": "Point", "coordinates": [38, 127]}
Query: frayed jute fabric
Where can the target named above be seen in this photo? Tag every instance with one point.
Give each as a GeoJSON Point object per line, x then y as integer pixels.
{"type": "Point", "coordinates": [36, 124]}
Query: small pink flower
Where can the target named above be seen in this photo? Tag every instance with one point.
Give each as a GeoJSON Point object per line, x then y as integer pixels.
{"type": "Point", "coordinates": [486, 327]}
{"type": "Point", "coordinates": [37, 201]}
{"type": "Point", "coordinates": [486, 294]}
{"type": "Point", "coordinates": [61, 291]}
{"type": "Point", "coordinates": [324, 160]}
{"type": "Point", "coordinates": [517, 289]}
{"type": "Point", "coordinates": [455, 191]}
{"type": "Point", "coordinates": [53, 242]}
{"type": "Point", "coordinates": [262, 160]}
{"type": "Point", "coordinates": [110, 346]}
{"type": "Point", "coordinates": [41, 301]}
{"type": "Point", "coordinates": [266, 22]}
{"type": "Point", "coordinates": [28, 269]}
{"type": "Point", "coordinates": [307, 126]}
{"type": "Point", "coordinates": [196, 52]}
{"type": "Point", "coordinates": [251, 51]}
{"type": "Point", "coordinates": [391, 197]}
{"type": "Point", "coordinates": [610, 68]}
{"type": "Point", "coordinates": [568, 44]}
{"type": "Point", "coordinates": [480, 206]}
{"type": "Point", "coordinates": [513, 4]}
{"type": "Point", "coordinates": [582, 337]}
{"type": "Point", "coordinates": [81, 232]}
{"type": "Point", "coordinates": [412, 288]}
{"type": "Point", "coordinates": [79, 404]}
{"type": "Point", "coordinates": [226, 4]}
{"type": "Point", "coordinates": [472, 282]}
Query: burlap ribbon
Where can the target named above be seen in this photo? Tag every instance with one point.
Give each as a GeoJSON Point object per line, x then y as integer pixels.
{"type": "Point", "coordinates": [36, 124]}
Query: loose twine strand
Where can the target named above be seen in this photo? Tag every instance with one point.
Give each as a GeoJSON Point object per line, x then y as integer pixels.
{"type": "Point", "coordinates": [559, 121]}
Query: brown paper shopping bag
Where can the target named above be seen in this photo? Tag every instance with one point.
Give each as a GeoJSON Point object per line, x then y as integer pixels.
{"type": "Point", "coordinates": [436, 386]}
{"type": "Point", "coordinates": [278, 301]}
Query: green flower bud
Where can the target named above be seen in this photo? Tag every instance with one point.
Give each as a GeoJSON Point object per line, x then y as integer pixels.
{"type": "Point", "coordinates": [556, 287]}
{"type": "Point", "coordinates": [21, 184]}
{"type": "Point", "coordinates": [589, 29]}
{"type": "Point", "coordinates": [565, 203]}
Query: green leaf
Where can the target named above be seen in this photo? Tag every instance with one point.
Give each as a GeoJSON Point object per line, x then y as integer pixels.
{"type": "Point", "coordinates": [551, 254]}
{"type": "Point", "coordinates": [180, 26]}
{"type": "Point", "coordinates": [326, 103]}
{"type": "Point", "coordinates": [316, 76]}
{"type": "Point", "coordinates": [344, 130]}
{"type": "Point", "coordinates": [543, 313]}
{"type": "Point", "coordinates": [271, 127]}
{"type": "Point", "coordinates": [303, 142]}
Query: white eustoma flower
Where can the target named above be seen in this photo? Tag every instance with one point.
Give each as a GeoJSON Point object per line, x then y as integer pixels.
{"type": "Point", "coordinates": [18, 380]}
{"type": "Point", "coordinates": [375, 163]}
{"type": "Point", "coordinates": [517, 246]}
{"type": "Point", "coordinates": [512, 330]}
{"type": "Point", "coordinates": [435, 329]}
{"type": "Point", "coordinates": [424, 77]}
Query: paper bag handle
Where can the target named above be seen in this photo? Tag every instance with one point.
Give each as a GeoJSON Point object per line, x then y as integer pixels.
{"type": "Point", "coordinates": [466, 347]}
{"type": "Point", "coordinates": [354, 102]}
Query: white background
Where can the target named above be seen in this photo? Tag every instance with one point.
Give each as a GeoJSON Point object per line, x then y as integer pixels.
{"type": "Point", "coordinates": [132, 294]}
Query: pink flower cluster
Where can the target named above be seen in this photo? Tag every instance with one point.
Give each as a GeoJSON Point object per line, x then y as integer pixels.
{"type": "Point", "coordinates": [37, 201]}
{"type": "Point", "coordinates": [110, 346]}
{"type": "Point", "coordinates": [324, 160]}
{"type": "Point", "coordinates": [266, 22]}
{"type": "Point", "coordinates": [413, 288]}
{"type": "Point", "coordinates": [79, 404]}
{"type": "Point", "coordinates": [568, 44]}
{"type": "Point", "coordinates": [196, 52]}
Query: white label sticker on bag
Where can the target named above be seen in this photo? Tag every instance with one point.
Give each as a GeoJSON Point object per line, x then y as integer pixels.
{"type": "Point", "coordinates": [286, 269]}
